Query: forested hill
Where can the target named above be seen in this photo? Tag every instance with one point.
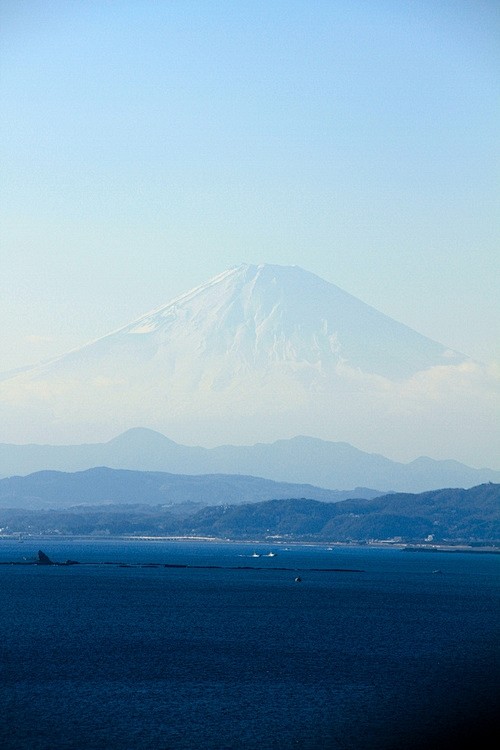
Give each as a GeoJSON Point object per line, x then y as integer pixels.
{"type": "Point", "coordinates": [446, 514]}
{"type": "Point", "coordinates": [457, 516]}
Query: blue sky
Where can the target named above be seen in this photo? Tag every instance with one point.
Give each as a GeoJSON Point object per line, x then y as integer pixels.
{"type": "Point", "coordinates": [147, 146]}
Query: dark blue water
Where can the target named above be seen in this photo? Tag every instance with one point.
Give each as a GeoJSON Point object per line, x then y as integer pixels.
{"type": "Point", "coordinates": [107, 657]}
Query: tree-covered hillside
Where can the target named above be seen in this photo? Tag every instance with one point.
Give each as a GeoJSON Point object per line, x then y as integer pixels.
{"type": "Point", "coordinates": [458, 516]}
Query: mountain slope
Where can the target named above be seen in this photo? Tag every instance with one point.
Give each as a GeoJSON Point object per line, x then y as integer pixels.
{"type": "Point", "coordinates": [101, 485]}
{"type": "Point", "coordinates": [442, 515]}
{"type": "Point", "coordinates": [455, 516]}
{"type": "Point", "coordinates": [303, 460]}
{"type": "Point", "coordinates": [254, 318]}
{"type": "Point", "coordinates": [261, 353]}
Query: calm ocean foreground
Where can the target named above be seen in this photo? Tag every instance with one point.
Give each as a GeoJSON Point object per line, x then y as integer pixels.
{"type": "Point", "coordinates": [404, 654]}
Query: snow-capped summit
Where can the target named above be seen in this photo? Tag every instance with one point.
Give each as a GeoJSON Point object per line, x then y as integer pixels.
{"type": "Point", "coordinates": [257, 318]}
{"type": "Point", "coordinates": [256, 353]}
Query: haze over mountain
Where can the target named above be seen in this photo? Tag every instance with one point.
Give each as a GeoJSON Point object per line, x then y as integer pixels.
{"type": "Point", "coordinates": [262, 353]}
{"type": "Point", "coordinates": [101, 485]}
{"type": "Point", "coordinates": [302, 460]}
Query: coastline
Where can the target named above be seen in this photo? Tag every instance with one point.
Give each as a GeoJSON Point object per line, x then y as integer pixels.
{"type": "Point", "coordinates": [372, 544]}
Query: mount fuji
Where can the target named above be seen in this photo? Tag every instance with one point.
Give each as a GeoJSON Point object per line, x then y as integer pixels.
{"type": "Point", "coordinates": [258, 353]}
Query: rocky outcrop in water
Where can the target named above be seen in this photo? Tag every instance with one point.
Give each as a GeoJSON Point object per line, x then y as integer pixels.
{"type": "Point", "coordinates": [43, 559]}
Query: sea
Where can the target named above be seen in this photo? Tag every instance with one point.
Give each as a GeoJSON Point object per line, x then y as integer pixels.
{"type": "Point", "coordinates": [192, 644]}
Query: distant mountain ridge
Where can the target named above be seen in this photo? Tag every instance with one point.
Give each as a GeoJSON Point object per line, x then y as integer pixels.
{"type": "Point", "coordinates": [300, 460]}
{"type": "Point", "coordinates": [101, 485]}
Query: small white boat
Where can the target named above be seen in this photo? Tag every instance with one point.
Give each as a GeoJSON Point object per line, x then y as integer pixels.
{"type": "Point", "coordinates": [271, 554]}
{"type": "Point", "coordinates": [255, 554]}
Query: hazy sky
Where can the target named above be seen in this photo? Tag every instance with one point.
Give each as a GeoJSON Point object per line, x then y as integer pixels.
{"type": "Point", "coordinates": [147, 146]}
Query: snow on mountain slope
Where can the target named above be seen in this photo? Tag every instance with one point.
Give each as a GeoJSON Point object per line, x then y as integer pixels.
{"type": "Point", "coordinates": [253, 318]}
{"type": "Point", "coordinates": [256, 353]}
